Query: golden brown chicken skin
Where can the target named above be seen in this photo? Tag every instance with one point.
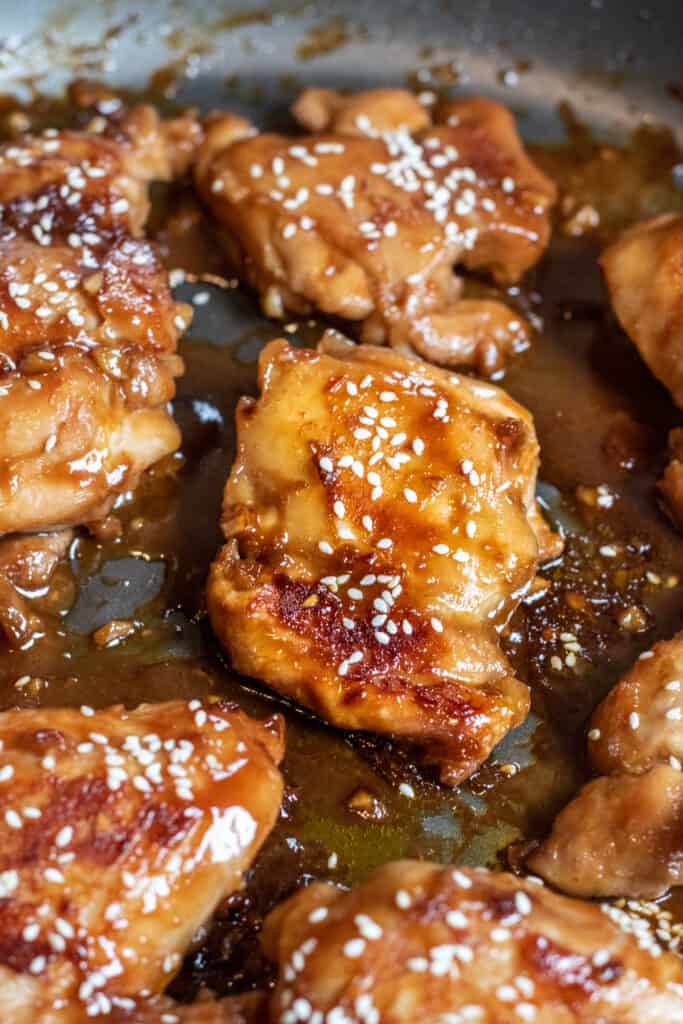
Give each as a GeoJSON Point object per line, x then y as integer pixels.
{"type": "Point", "coordinates": [88, 328]}
{"type": "Point", "coordinates": [419, 941]}
{"type": "Point", "coordinates": [381, 522]}
{"type": "Point", "coordinates": [365, 218]}
{"type": "Point", "coordinates": [120, 832]}
{"type": "Point", "coordinates": [622, 835]}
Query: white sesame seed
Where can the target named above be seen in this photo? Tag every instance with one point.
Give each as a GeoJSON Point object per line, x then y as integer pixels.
{"type": "Point", "coordinates": [437, 625]}
{"type": "Point", "coordinates": [64, 836]}
{"type": "Point", "coordinates": [354, 948]}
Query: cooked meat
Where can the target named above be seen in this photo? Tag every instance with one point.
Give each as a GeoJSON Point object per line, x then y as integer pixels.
{"type": "Point", "coordinates": [120, 832]}
{"type": "Point", "coordinates": [622, 835]}
{"type": "Point", "coordinates": [640, 722]}
{"type": "Point", "coordinates": [366, 218]}
{"type": "Point", "coordinates": [644, 273]}
{"type": "Point", "coordinates": [88, 329]}
{"type": "Point", "coordinates": [381, 524]}
{"type": "Point", "coordinates": [420, 941]}
{"type": "Point", "coordinates": [671, 484]}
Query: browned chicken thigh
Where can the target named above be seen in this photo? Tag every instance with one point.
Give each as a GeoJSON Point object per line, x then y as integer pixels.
{"type": "Point", "coordinates": [381, 523]}
{"type": "Point", "coordinates": [622, 835]}
{"type": "Point", "coordinates": [419, 941]}
{"type": "Point", "coordinates": [644, 273]}
{"type": "Point", "coordinates": [120, 832]}
{"type": "Point", "coordinates": [365, 218]}
{"type": "Point", "coordinates": [88, 329]}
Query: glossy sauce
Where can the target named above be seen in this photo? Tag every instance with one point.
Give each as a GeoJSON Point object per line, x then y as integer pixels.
{"type": "Point", "coordinates": [356, 802]}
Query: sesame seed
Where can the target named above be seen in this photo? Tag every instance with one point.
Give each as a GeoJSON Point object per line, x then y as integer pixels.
{"type": "Point", "coordinates": [325, 547]}
{"type": "Point", "coordinates": [410, 495]}
{"type": "Point", "coordinates": [354, 948]}
{"type": "Point", "coordinates": [405, 789]}
{"type": "Point", "coordinates": [437, 625]}
{"type": "Point", "coordinates": [634, 720]}
{"type": "Point", "coordinates": [64, 836]}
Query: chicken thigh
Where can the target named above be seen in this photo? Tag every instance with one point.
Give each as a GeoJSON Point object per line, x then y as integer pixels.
{"type": "Point", "coordinates": [644, 274]}
{"type": "Point", "coordinates": [381, 524]}
{"type": "Point", "coordinates": [365, 218]}
{"type": "Point", "coordinates": [622, 835]}
{"type": "Point", "coordinates": [419, 941]}
{"type": "Point", "coordinates": [88, 329]}
{"type": "Point", "coordinates": [120, 833]}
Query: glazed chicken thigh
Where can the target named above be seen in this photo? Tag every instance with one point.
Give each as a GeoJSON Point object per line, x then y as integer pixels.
{"type": "Point", "coordinates": [88, 329]}
{"type": "Point", "coordinates": [120, 832]}
{"type": "Point", "coordinates": [622, 835]}
{"type": "Point", "coordinates": [381, 523]}
{"type": "Point", "coordinates": [419, 941]}
{"type": "Point", "coordinates": [365, 218]}
{"type": "Point", "coordinates": [644, 274]}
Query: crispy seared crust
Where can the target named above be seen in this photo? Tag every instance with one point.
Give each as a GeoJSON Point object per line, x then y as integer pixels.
{"type": "Point", "coordinates": [365, 219]}
{"type": "Point", "coordinates": [119, 834]}
{"type": "Point", "coordinates": [332, 519]}
{"type": "Point", "coordinates": [421, 941]}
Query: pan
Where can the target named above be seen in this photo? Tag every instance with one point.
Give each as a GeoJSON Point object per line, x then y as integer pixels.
{"type": "Point", "coordinates": [584, 80]}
